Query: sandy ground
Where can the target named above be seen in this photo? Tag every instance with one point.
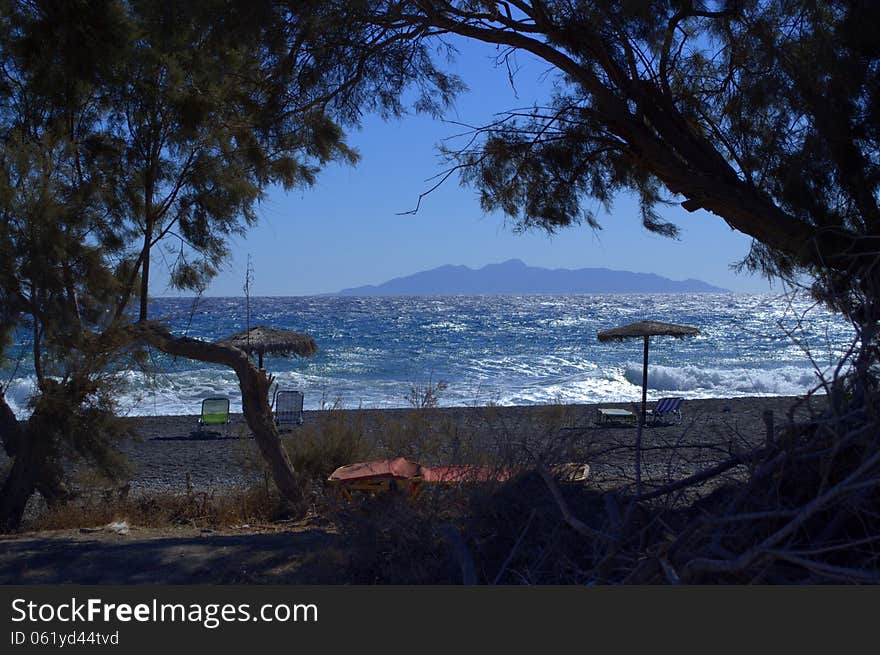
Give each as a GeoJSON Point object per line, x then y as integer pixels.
{"type": "Point", "coordinates": [296, 554]}
{"type": "Point", "coordinates": [168, 455]}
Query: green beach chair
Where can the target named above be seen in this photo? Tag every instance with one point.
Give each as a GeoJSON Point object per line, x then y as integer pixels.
{"type": "Point", "coordinates": [215, 412]}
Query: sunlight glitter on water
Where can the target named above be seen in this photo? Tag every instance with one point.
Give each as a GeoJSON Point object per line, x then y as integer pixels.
{"type": "Point", "coordinates": [509, 350]}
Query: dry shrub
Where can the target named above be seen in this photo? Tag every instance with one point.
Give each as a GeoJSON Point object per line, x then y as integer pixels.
{"type": "Point", "coordinates": [806, 514]}
{"type": "Point", "coordinates": [512, 532]}
{"type": "Point", "coordinates": [426, 396]}
{"type": "Point", "coordinates": [518, 536]}
{"type": "Point", "coordinates": [803, 510]}
{"type": "Point", "coordinates": [800, 509]}
{"type": "Point", "coordinates": [201, 510]}
{"type": "Point", "coordinates": [424, 435]}
{"type": "Point", "coordinates": [339, 438]}
{"type": "Point", "coordinates": [394, 541]}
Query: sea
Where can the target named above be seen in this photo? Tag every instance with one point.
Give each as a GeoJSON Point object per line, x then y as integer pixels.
{"type": "Point", "coordinates": [375, 352]}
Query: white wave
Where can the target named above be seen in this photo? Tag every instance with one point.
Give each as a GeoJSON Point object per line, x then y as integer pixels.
{"type": "Point", "coordinates": [590, 390]}
{"type": "Point", "coordinates": [181, 392]}
{"type": "Point", "coordinates": [712, 382]}
{"type": "Point", "coordinates": [446, 326]}
{"type": "Point", "coordinates": [166, 394]}
{"type": "Point", "coordinates": [567, 321]}
{"type": "Point", "coordinates": [18, 394]}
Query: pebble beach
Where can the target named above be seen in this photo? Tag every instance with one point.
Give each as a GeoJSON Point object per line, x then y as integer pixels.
{"type": "Point", "coordinates": [167, 454]}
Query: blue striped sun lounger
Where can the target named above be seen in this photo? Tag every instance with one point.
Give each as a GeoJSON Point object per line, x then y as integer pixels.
{"type": "Point", "coordinates": [664, 409]}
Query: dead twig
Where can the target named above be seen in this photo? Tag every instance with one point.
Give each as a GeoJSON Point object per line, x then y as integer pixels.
{"type": "Point", "coordinates": [575, 523]}
{"type": "Point", "coordinates": [513, 550]}
{"type": "Point", "coordinates": [698, 478]}
{"type": "Point", "coordinates": [461, 553]}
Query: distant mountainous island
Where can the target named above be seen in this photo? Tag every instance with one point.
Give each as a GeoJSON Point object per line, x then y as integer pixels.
{"type": "Point", "coordinates": [516, 278]}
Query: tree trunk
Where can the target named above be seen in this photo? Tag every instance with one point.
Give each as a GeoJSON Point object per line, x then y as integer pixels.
{"type": "Point", "coordinates": [254, 384]}
{"type": "Point", "coordinates": [51, 485]}
{"type": "Point", "coordinates": [31, 453]}
{"type": "Point", "coordinates": [145, 275]}
{"type": "Point", "coordinates": [32, 468]}
{"type": "Point", "coordinates": [16, 491]}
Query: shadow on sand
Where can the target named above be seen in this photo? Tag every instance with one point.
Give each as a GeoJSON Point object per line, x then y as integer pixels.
{"type": "Point", "coordinates": [287, 557]}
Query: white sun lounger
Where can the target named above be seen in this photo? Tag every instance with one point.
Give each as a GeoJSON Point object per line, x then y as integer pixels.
{"type": "Point", "coordinates": [608, 415]}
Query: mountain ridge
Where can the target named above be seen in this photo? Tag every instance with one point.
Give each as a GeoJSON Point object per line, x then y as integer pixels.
{"type": "Point", "coordinates": [514, 277]}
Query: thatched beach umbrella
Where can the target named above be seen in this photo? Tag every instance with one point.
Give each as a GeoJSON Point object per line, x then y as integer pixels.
{"type": "Point", "coordinates": [646, 330]}
{"type": "Point", "coordinates": [265, 340]}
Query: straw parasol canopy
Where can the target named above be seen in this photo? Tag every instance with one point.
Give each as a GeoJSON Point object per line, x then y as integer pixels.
{"type": "Point", "coordinates": [264, 340]}
{"type": "Point", "coordinates": [646, 330]}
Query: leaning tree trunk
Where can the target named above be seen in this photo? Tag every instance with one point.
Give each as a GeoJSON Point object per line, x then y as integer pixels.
{"type": "Point", "coordinates": [23, 479]}
{"type": "Point", "coordinates": [30, 444]}
{"type": "Point", "coordinates": [20, 482]}
{"type": "Point", "coordinates": [254, 385]}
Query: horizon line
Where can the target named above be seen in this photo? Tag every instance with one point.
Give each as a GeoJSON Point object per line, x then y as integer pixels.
{"type": "Point", "coordinates": [337, 294]}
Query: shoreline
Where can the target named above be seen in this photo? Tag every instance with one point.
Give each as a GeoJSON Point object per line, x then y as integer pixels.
{"type": "Point", "coordinates": [238, 416]}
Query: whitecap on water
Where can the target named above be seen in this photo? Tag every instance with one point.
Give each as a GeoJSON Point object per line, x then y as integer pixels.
{"type": "Point", "coordinates": [717, 382]}
{"type": "Point", "coordinates": [510, 350]}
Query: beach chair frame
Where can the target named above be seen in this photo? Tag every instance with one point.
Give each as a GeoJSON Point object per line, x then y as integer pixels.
{"type": "Point", "coordinates": [288, 408]}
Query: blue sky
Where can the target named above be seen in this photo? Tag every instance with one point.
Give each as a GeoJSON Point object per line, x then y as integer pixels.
{"type": "Point", "coordinates": [346, 230]}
